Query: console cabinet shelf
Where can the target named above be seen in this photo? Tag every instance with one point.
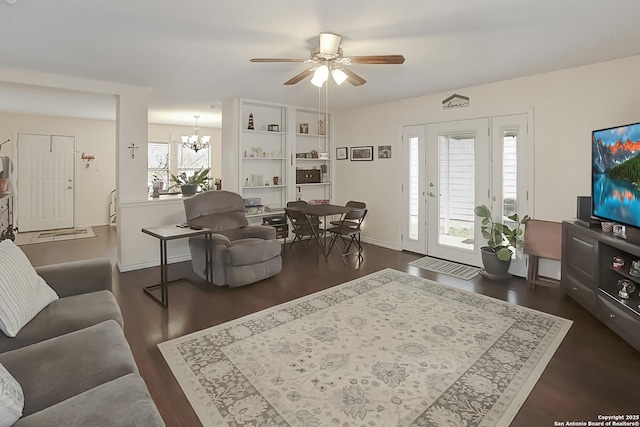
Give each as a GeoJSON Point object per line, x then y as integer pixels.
{"type": "Point", "coordinates": [589, 277]}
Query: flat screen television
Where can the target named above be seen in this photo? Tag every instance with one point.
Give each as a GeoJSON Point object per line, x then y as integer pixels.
{"type": "Point", "coordinates": [615, 174]}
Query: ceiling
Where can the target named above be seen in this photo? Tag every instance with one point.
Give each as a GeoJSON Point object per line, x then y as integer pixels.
{"type": "Point", "coordinates": [195, 53]}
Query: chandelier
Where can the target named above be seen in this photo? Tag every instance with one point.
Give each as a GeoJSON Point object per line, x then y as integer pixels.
{"type": "Point", "coordinates": [195, 141]}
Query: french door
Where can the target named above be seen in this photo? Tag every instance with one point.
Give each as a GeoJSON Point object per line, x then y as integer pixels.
{"type": "Point", "coordinates": [452, 167]}
{"type": "Point", "coordinates": [457, 181]}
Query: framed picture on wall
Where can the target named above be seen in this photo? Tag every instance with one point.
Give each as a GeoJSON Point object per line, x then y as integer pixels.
{"type": "Point", "coordinates": [359, 154]}
{"type": "Point", "coordinates": [342, 153]}
{"type": "Point", "coordinates": [384, 151]}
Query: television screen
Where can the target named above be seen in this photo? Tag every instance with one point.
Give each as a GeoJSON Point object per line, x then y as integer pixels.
{"type": "Point", "coordinates": [615, 174]}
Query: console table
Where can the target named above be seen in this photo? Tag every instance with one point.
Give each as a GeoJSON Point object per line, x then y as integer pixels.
{"type": "Point", "coordinates": [171, 232]}
{"type": "Point", "coordinates": [590, 278]}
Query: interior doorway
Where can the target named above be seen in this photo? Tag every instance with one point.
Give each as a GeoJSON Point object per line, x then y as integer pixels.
{"type": "Point", "coordinates": [45, 184]}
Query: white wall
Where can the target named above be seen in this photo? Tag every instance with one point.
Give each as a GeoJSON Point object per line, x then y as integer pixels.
{"type": "Point", "coordinates": [93, 137]}
{"type": "Point", "coordinates": [567, 105]}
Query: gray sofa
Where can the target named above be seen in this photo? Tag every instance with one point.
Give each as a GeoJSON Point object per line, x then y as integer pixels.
{"type": "Point", "coordinates": [72, 360]}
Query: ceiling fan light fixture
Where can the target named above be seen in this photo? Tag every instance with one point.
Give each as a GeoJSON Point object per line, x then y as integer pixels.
{"type": "Point", "coordinates": [320, 76]}
{"type": "Point", "coordinates": [329, 43]}
{"type": "Point", "coordinates": [339, 76]}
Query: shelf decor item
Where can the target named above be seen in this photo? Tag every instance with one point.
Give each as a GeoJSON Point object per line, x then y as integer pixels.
{"type": "Point", "coordinates": [250, 126]}
{"type": "Point", "coordinates": [626, 288]}
{"type": "Point", "coordinates": [304, 128]}
{"type": "Point", "coordinates": [635, 268]}
{"type": "Point", "coordinates": [361, 153]}
{"type": "Point", "coordinates": [618, 262]}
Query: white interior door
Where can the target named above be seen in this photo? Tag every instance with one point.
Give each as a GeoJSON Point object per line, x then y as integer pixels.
{"type": "Point", "coordinates": [457, 181]}
{"type": "Point", "coordinates": [413, 192]}
{"type": "Point", "coordinates": [45, 184]}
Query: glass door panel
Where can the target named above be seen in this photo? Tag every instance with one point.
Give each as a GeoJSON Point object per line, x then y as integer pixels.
{"type": "Point", "coordinates": [413, 216]}
{"type": "Point", "coordinates": [456, 186]}
{"type": "Point", "coordinates": [458, 181]}
{"type": "Point", "coordinates": [512, 152]}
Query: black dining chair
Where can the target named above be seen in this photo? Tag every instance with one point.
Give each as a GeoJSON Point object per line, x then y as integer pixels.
{"type": "Point", "coordinates": [348, 230]}
{"type": "Point", "coordinates": [351, 204]}
{"type": "Point", "coordinates": [302, 227]}
{"type": "Point", "coordinates": [295, 203]}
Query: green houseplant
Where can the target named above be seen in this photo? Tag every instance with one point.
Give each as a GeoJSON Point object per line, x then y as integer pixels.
{"type": "Point", "coordinates": [501, 238]}
{"type": "Point", "coordinates": [189, 184]}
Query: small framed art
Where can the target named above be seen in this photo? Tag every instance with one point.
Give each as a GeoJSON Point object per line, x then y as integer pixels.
{"type": "Point", "coordinates": [361, 153]}
{"type": "Point", "coordinates": [342, 153]}
{"type": "Point", "coordinates": [384, 151]}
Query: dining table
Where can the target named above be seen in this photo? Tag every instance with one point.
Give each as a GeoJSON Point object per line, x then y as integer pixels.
{"type": "Point", "coordinates": [322, 211]}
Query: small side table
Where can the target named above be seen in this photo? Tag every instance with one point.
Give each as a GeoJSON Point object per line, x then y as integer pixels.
{"type": "Point", "coordinates": [172, 232]}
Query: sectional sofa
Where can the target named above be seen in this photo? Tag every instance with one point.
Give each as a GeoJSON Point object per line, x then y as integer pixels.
{"type": "Point", "coordinates": [72, 360]}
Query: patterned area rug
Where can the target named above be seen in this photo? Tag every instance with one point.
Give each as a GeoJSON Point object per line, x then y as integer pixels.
{"type": "Point", "coordinates": [450, 268]}
{"type": "Point", "coordinates": [388, 349]}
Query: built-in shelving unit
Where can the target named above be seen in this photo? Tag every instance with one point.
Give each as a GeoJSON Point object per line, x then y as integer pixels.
{"type": "Point", "coordinates": [284, 139]}
{"type": "Point", "coordinates": [313, 153]}
{"type": "Point", "coordinates": [263, 154]}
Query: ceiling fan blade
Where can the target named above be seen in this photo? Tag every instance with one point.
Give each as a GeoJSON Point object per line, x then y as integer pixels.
{"type": "Point", "coordinates": [303, 75]}
{"type": "Point", "coordinates": [353, 78]}
{"type": "Point", "coordinates": [329, 43]}
{"type": "Point", "coordinates": [276, 60]}
{"type": "Point", "coordinates": [377, 59]}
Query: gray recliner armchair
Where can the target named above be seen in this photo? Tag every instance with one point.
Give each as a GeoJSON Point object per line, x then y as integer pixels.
{"type": "Point", "coordinates": [241, 253]}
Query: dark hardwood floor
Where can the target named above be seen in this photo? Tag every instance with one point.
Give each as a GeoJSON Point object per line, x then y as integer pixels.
{"type": "Point", "coordinates": [593, 372]}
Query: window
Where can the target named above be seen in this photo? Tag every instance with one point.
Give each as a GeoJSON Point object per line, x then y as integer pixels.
{"type": "Point", "coordinates": [166, 159]}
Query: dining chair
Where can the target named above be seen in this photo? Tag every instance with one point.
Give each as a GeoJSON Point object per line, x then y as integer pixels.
{"type": "Point", "coordinates": [302, 226]}
{"type": "Point", "coordinates": [349, 228]}
{"type": "Point", "coordinates": [351, 204]}
{"type": "Point", "coordinates": [296, 203]}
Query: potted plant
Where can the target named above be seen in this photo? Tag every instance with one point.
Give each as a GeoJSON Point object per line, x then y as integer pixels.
{"type": "Point", "coordinates": [501, 240]}
{"type": "Point", "coordinates": [189, 184]}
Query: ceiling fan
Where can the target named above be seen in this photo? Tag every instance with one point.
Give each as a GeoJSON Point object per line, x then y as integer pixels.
{"type": "Point", "coordinates": [328, 59]}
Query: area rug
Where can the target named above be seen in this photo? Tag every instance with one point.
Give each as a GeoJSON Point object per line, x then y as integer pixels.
{"type": "Point", "coordinates": [450, 268]}
{"type": "Point", "coordinates": [387, 349]}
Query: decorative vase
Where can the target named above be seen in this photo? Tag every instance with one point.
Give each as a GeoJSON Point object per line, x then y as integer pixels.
{"type": "Point", "coordinates": [189, 190]}
{"type": "Point", "coordinates": [494, 268]}
{"type": "Point", "coordinates": [4, 183]}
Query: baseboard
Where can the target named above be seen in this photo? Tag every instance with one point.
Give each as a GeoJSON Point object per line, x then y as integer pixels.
{"type": "Point", "coordinates": [380, 243]}
{"type": "Point", "coordinates": [152, 263]}
{"type": "Point", "coordinates": [97, 224]}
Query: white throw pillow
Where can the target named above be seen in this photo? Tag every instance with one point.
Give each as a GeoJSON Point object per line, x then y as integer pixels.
{"type": "Point", "coordinates": [11, 398]}
{"type": "Point", "coordinates": [24, 293]}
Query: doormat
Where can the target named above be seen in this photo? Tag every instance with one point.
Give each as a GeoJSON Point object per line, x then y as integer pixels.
{"type": "Point", "coordinates": [450, 268]}
{"type": "Point", "coordinates": [66, 232]}
{"type": "Point", "coordinates": [53, 235]}
{"type": "Point", "coordinates": [387, 349]}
